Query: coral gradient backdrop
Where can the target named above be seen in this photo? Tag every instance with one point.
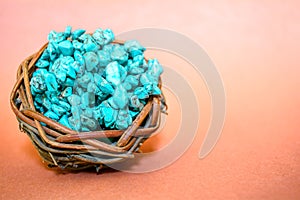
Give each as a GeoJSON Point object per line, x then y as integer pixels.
{"type": "Point", "coordinates": [255, 46]}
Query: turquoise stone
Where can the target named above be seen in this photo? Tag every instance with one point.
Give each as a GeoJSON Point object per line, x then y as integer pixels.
{"type": "Point", "coordinates": [37, 83]}
{"type": "Point", "coordinates": [85, 80]}
{"type": "Point", "coordinates": [69, 82]}
{"type": "Point", "coordinates": [79, 58]}
{"type": "Point", "coordinates": [66, 92]}
{"type": "Point", "coordinates": [58, 110]}
{"type": "Point", "coordinates": [64, 105]}
{"type": "Point", "coordinates": [74, 100]}
{"type": "Point", "coordinates": [42, 63]}
{"type": "Point", "coordinates": [103, 37]}
{"type": "Point", "coordinates": [134, 47]}
{"type": "Point", "coordinates": [78, 46]}
{"type": "Point", "coordinates": [64, 121]}
{"type": "Point", "coordinates": [66, 48]}
{"type": "Point", "coordinates": [105, 86]}
{"type": "Point", "coordinates": [91, 61]}
{"type": "Point", "coordinates": [77, 33]}
{"type": "Point", "coordinates": [52, 51]}
{"type": "Point", "coordinates": [89, 44]}
{"type": "Point", "coordinates": [51, 115]}
{"type": "Point", "coordinates": [119, 54]}
{"type": "Point", "coordinates": [124, 119]}
{"type": "Point", "coordinates": [46, 103]}
{"type": "Point", "coordinates": [120, 97]}
{"type": "Point", "coordinates": [115, 73]}
{"type": "Point", "coordinates": [88, 112]}
{"type": "Point", "coordinates": [45, 56]}
{"type": "Point", "coordinates": [141, 93]}
{"type": "Point", "coordinates": [104, 58]}
{"type": "Point", "coordinates": [88, 123]}
{"type": "Point", "coordinates": [155, 69]}
{"type": "Point", "coordinates": [135, 103]}
{"type": "Point", "coordinates": [88, 99]}
{"type": "Point", "coordinates": [74, 123]}
{"type": "Point", "coordinates": [51, 82]}
{"type": "Point", "coordinates": [110, 116]}
{"type": "Point", "coordinates": [56, 37]}
{"type": "Point", "coordinates": [68, 31]}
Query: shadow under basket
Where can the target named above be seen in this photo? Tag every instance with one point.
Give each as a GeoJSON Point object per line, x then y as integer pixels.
{"type": "Point", "coordinates": [66, 149]}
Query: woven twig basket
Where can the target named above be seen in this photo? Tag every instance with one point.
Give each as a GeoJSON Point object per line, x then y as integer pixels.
{"type": "Point", "coordinates": [62, 147]}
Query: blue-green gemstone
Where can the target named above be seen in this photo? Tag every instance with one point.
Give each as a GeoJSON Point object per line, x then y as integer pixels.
{"type": "Point", "coordinates": [88, 112]}
{"type": "Point", "coordinates": [123, 120]}
{"type": "Point", "coordinates": [154, 68]}
{"type": "Point", "coordinates": [133, 113]}
{"type": "Point", "coordinates": [88, 99]}
{"type": "Point", "coordinates": [115, 73]}
{"type": "Point", "coordinates": [76, 111]}
{"type": "Point", "coordinates": [66, 92]}
{"type": "Point", "coordinates": [79, 57]}
{"type": "Point", "coordinates": [74, 100]}
{"type": "Point", "coordinates": [110, 116]}
{"type": "Point", "coordinates": [103, 85]}
{"type": "Point", "coordinates": [64, 121]}
{"type": "Point", "coordinates": [89, 123]}
{"type": "Point", "coordinates": [68, 31]}
{"type": "Point", "coordinates": [104, 58]}
{"type": "Point", "coordinates": [66, 48]}
{"type": "Point", "coordinates": [45, 55]}
{"type": "Point", "coordinates": [141, 93]}
{"type": "Point", "coordinates": [46, 103]}
{"type": "Point", "coordinates": [69, 82]}
{"type": "Point", "coordinates": [58, 110]}
{"type": "Point", "coordinates": [64, 105]}
{"type": "Point", "coordinates": [103, 37]}
{"type": "Point", "coordinates": [51, 82]}
{"type": "Point", "coordinates": [74, 123]}
{"type": "Point", "coordinates": [38, 98]}
{"type": "Point", "coordinates": [78, 46]}
{"type": "Point", "coordinates": [51, 115]}
{"type": "Point", "coordinates": [91, 61]}
{"type": "Point", "coordinates": [52, 51]}
{"type": "Point", "coordinates": [85, 79]}
{"type": "Point", "coordinates": [77, 33]}
{"type": "Point", "coordinates": [119, 54]}
{"type": "Point", "coordinates": [120, 97]}
{"type": "Point", "coordinates": [42, 63]}
{"type": "Point", "coordinates": [56, 37]}
{"type": "Point", "coordinates": [135, 103]}
{"type": "Point", "coordinates": [134, 47]}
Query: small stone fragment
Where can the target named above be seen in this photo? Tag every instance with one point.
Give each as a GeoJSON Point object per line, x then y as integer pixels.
{"type": "Point", "coordinates": [77, 33]}
{"type": "Point", "coordinates": [64, 121]}
{"type": "Point", "coordinates": [119, 54]}
{"type": "Point", "coordinates": [74, 100]}
{"type": "Point", "coordinates": [115, 73]}
{"type": "Point", "coordinates": [51, 82]}
{"type": "Point", "coordinates": [58, 110]}
{"type": "Point", "coordinates": [67, 92]}
{"type": "Point", "coordinates": [91, 61]}
{"type": "Point", "coordinates": [66, 48]}
{"type": "Point", "coordinates": [51, 115]}
{"type": "Point", "coordinates": [120, 97]}
{"type": "Point", "coordinates": [141, 93]}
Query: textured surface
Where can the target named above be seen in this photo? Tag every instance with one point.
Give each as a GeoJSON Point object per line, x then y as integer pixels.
{"type": "Point", "coordinates": [255, 46]}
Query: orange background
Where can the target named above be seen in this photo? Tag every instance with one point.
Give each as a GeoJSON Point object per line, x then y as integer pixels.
{"type": "Point", "coordinates": [255, 46]}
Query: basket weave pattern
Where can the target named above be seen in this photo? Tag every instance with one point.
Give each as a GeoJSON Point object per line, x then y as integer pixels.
{"type": "Point", "coordinates": [62, 147]}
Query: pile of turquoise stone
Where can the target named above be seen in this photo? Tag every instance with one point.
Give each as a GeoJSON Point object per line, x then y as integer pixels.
{"type": "Point", "coordinates": [87, 82]}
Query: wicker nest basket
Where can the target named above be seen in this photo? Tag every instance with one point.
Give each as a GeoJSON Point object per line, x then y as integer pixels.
{"type": "Point", "coordinates": [66, 149]}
